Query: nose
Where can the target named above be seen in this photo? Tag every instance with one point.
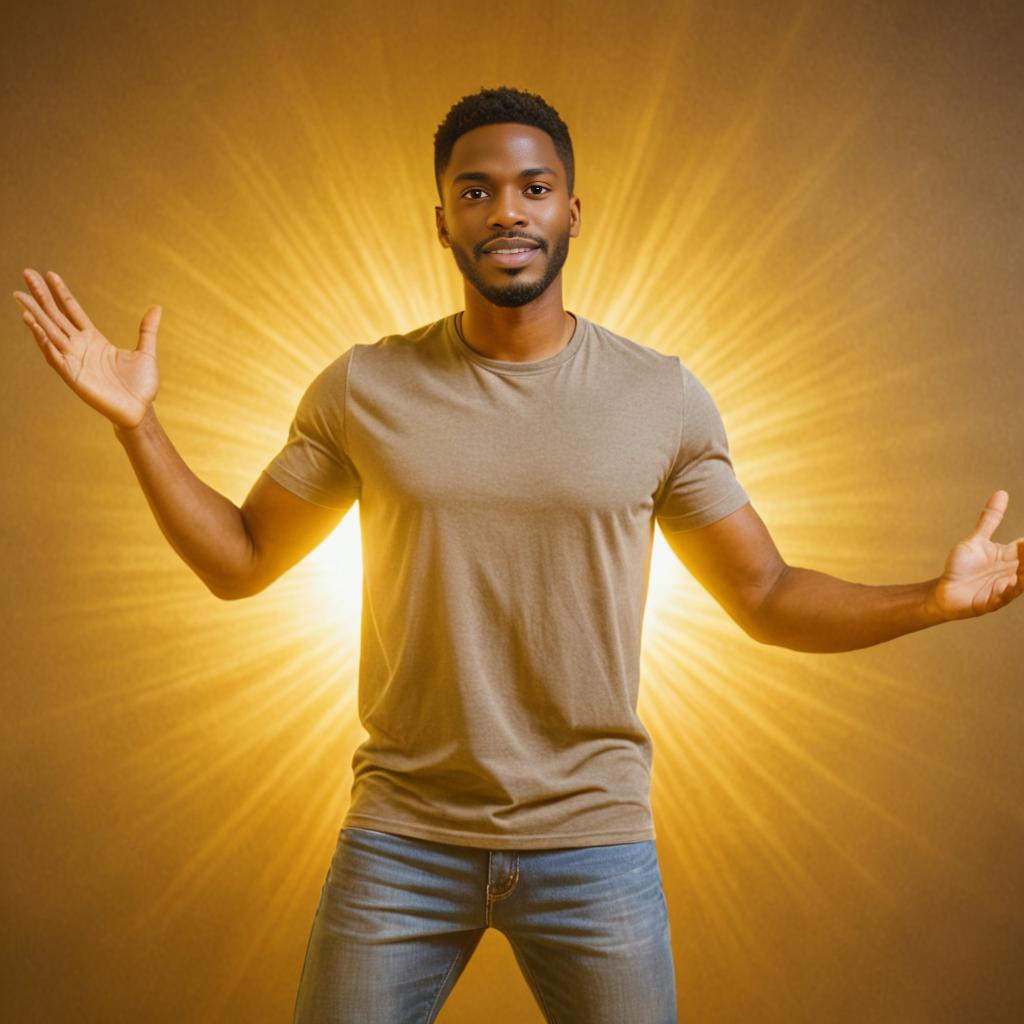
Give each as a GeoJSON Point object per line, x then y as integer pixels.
{"type": "Point", "coordinates": [507, 209]}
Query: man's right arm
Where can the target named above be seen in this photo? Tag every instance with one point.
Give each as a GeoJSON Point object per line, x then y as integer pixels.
{"type": "Point", "coordinates": [236, 552]}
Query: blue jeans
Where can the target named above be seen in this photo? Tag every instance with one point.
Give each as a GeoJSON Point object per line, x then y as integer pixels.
{"type": "Point", "coordinates": [399, 918]}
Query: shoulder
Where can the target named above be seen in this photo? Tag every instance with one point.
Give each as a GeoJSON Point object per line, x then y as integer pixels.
{"type": "Point", "coordinates": [664, 378]}
{"type": "Point", "coordinates": [413, 341]}
{"type": "Point", "coordinates": [399, 353]}
{"type": "Point", "coordinates": [663, 363]}
{"type": "Point", "coordinates": [330, 381]}
{"type": "Point", "coordinates": [643, 372]}
{"type": "Point", "coordinates": [388, 348]}
{"type": "Point", "coordinates": [631, 352]}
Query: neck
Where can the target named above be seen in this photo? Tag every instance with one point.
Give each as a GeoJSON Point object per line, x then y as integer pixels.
{"type": "Point", "coordinates": [517, 334]}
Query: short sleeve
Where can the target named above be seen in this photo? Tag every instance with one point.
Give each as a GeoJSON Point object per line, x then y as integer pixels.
{"type": "Point", "coordinates": [701, 487]}
{"type": "Point", "coordinates": [314, 463]}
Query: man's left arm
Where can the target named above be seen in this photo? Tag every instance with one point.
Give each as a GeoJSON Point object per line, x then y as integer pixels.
{"type": "Point", "coordinates": [737, 561]}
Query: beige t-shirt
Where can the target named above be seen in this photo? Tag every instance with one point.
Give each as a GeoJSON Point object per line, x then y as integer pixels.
{"type": "Point", "coordinates": [507, 516]}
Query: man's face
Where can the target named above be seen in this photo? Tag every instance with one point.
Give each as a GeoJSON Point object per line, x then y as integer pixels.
{"type": "Point", "coordinates": [505, 187]}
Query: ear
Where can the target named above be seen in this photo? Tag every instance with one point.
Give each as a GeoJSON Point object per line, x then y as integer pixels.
{"type": "Point", "coordinates": [574, 216]}
{"type": "Point", "coordinates": [442, 228]}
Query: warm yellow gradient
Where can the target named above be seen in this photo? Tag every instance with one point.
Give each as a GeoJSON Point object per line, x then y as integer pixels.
{"type": "Point", "coordinates": [815, 206]}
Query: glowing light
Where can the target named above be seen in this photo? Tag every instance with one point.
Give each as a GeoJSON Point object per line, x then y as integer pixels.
{"type": "Point", "coordinates": [664, 578]}
{"type": "Point", "coordinates": [337, 567]}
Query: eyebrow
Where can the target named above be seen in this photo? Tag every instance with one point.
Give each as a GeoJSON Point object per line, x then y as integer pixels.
{"type": "Point", "coordinates": [530, 172]}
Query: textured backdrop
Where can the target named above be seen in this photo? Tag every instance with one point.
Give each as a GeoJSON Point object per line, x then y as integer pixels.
{"type": "Point", "coordinates": [817, 206]}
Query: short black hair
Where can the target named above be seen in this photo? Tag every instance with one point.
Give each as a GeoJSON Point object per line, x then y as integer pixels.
{"type": "Point", "coordinates": [500, 106]}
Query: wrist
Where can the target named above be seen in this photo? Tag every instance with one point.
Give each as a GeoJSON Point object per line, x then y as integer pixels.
{"type": "Point", "coordinates": [931, 607]}
{"type": "Point", "coordinates": [126, 432]}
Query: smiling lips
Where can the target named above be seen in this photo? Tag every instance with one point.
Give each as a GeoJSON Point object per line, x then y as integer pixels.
{"type": "Point", "coordinates": [511, 252]}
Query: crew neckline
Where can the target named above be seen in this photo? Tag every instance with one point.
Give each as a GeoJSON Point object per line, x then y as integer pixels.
{"type": "Point", "coordinates": [508, 366]}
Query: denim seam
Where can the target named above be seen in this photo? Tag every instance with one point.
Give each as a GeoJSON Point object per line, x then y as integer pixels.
{"type": "Point", "coordinates": [534, 987]}
{"type": "Point", "coordinates": [440, 988]}
{"type": "Point", "coordinates": [511, 885]}
{"type": "Point", "coordinates": [492, 899]}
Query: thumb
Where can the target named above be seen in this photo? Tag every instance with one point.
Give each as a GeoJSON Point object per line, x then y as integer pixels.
{"type": "Point", "coordinates": [148, 329]}
{"type": "Point", "coordinates": [991, 515]}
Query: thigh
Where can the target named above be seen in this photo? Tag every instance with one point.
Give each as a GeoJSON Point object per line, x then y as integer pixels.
{"type": "Point", "coordinates": [398, 920]}
{"type": "Point", "coordinates": [589, 928]}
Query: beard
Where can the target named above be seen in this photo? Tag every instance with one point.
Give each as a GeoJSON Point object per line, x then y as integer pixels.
{"type": "Point", "coordinates": [513, 292]}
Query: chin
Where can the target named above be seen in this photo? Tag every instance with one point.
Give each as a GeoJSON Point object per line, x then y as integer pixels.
{"type": "Point", "coordinates": [511, 297]}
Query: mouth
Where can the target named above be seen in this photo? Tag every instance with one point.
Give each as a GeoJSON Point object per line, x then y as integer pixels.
{"type": "Point", "coordinates": [513, 256]}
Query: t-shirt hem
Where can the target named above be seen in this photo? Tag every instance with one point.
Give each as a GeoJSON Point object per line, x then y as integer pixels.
{"type": "Point", "coordinates": [705, 516]}
{"type": "Point", "coordinates": [518, 841]}
{"type": "Point", "coordinates": [288, 480]}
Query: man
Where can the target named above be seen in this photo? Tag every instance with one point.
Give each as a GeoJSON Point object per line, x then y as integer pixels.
{"type": "Point", "coordinates": [510, 462]}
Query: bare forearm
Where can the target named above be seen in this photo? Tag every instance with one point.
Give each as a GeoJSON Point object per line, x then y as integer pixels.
{"type": "Point", "coordinates": [205, 528]}
{"type": "Point", "coordinates": [812, 611]}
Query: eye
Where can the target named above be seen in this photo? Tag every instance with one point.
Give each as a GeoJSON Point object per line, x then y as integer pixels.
{"type": "Point", "coordinates": [537, 185]}
{"type": "Point", "coordinates": [466, 194]}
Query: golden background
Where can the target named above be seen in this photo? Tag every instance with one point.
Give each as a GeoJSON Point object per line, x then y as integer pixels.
{"type": "Point", "coordinates": [817, 206]}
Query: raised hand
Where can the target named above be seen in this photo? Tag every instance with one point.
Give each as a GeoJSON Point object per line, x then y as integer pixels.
{"type": "Point", "coordinates": [119, 383]}
{"type": "Point", "coordinates": [981, 575]}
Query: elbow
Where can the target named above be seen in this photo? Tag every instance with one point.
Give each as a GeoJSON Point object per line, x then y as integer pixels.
{"type": "Point", "coordinates": [751, 620]}
{"type": "Point", "coordinates": [232, 590]}
{"type": "Point", "coordinates": [239, 579]}
{"type": "Point", "coordinates": [759, 629]}
{"type": "Point", "coordinates": [758, 619]}
{"type": "Point", "coordinates": [223, 593]}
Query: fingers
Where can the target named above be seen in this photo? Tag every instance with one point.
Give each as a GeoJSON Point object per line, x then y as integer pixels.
{"type": "Point", "coordinates": [1009, 590]}
{"type": "Point", "coordinates": [51, 353]}
{"type": "Point", "coordinates": [34, 316]}
{"type": "Point", "coordinates": [68, 301]}
{"type": "Point", "coordinates": [1013, 586]}
{"type": "Point", "coordinates": [42, 294]}
{"type": "Point", "coordinates": [147, 330]}
{"type": "Point", "coordinates": [991, 515]}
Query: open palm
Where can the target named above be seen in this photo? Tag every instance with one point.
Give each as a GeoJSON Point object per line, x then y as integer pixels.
{"type": "Point", "coordinates": [981, 575]}
{"type": "Point", "coordinates": [119, 383]}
